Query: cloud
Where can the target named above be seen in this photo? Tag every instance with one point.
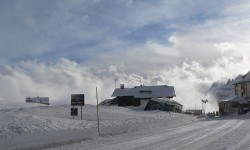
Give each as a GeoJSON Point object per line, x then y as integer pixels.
{"type": "Point", "coordinates": [60, 79]}
{"type": "Point", "coordinates": [70, 29]}
{"type": "Point", "coordinates": [73, 46]}
{"type": "Point", "coordinates": [224, 47]}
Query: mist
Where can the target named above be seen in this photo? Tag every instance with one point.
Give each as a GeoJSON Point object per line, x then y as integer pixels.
{"type": "Point", "coordinates": [64, 77]}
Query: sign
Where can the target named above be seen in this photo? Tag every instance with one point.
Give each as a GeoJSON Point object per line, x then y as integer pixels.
{"type": "Point", "coordinates": [74, 112]}
{"type": "Point", "coordinates": [77, 99]}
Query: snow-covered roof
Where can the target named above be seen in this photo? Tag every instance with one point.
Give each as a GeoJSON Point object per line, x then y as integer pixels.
{"type": "Point", "coordinates": [239, 99]}
{"type": "Point", "coordinates": [159, 91]}
{"type": "Point", "coordinates": [241, 78]}
{"type": "Point", "coordinates": [247, 77]}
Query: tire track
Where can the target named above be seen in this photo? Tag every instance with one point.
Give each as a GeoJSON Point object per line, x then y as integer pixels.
{"type": "Point", "coordinates": [242, 145]}
{"type": "Point", "coordinates": [156, 139]}
{"type": "Point", "coordinates": [211, 136]}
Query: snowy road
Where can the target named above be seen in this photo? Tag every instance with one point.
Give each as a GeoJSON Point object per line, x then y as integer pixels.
{"type": "Point", "coordinates": [210, 134]}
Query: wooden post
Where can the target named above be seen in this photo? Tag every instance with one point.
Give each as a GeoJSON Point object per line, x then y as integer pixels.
{"type": "Point", "coordinates": [81, 112]}
{"type": "Point", "coordinates": [97, 113]}
{"type": "Point", "coordinates": [73, 111]}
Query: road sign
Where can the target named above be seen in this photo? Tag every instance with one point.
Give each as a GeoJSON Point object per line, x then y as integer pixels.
{"type": "Point", "coordinates": [77, 99]}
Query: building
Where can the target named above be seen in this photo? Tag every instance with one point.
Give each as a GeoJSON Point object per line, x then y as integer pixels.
{"type": "Point", "coordinates": [241, 102]}
{"type": "Point", "coordinates": [41, 100]}
{"type": "Point", "coordinates": [137, 95]}
{"type": "Point", "coordinates": [152, 97]}
{"type": "Point", "coordinates": [237, 104]}
{"type": "Point", "coordinates": [242, 86]}
{"type": "Point", "coordinates": [194, 112]}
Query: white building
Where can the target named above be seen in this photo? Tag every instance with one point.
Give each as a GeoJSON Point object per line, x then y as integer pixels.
{"type": "Point", "coordinates": [41, 100]}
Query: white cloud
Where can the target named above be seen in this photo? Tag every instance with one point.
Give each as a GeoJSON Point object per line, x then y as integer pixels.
{"type": "Point", "coordinates": [224, 47]}
{"type": "Point", "coordinates": [59, 80]}
{"type": "Point", "coordinates": [203, 42]}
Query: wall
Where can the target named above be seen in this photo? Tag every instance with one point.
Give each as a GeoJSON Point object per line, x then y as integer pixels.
{"type": "Point", "coordinates": [248, 89]}
{"type": "Point", "coordinates": [227, 107]}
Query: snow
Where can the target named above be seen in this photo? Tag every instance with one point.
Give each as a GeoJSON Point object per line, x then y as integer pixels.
{"type": "Point", "coordinates": [53, 128]}
{"type": "Point", "coordinates": [146, 91]}
{"type": "Point", "coordinates": [5, 104]}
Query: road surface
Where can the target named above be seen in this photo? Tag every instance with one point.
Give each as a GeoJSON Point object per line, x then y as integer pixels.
{"type": "Point", "coordinates": [207, 134]}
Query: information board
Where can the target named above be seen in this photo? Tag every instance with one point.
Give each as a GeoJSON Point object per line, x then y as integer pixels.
{"type": "Point", "coordinates": [77, 99]}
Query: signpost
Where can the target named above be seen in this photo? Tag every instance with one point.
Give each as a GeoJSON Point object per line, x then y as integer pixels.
{"type": "Point", "coordinates": [76, 100]}
{"type": "Point", "coordinates": [97, 113]}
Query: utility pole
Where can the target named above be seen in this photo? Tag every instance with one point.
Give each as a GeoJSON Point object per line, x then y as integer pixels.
{"type": "Point", "coordinates": [97, 113]}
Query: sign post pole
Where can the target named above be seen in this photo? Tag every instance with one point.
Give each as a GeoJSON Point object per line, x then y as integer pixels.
{"type": "Point", "coordinates": [81, 112]}
{"type": "Point", "coordinates": [97, 113]}
{"type": "Point", "coordinates": [73, 111]}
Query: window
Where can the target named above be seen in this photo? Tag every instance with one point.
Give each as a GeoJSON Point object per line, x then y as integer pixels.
{"type": "Point", "coordinates": [244, 88]}
{"type": "Point", "coordinates": [146, 92]}
{"type": "Point", "coordinates": [236, 90]}
{"type": "Point", "coordinates": [235, 105]}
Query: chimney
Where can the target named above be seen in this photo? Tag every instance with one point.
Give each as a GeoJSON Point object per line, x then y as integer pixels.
{"type": "Point", "coordinates": [122, 86]}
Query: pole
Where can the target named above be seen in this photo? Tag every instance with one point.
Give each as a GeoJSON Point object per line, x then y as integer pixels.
{"type": "Point", "coordinates": [189, 114]}
{"type": "Point", "coordinates": [97, 113]}
{"type": "Point", "coordinates": [81, 112]}
{"type": "Point", "coordinates": [202, 106]}
{"type": "Point", "coordinates": [73, 111]}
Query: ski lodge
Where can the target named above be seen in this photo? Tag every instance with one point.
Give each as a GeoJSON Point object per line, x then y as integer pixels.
{"type": "Point", "coordinates": [152, 97]}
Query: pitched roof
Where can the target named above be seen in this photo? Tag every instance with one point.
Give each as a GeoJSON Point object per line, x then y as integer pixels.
{"type": "Point", "coordinates": [241, 78]}
{"type": "Point", "coordinates": [247, 77]}
{"type": "Point", "coordinates": [159, 91]}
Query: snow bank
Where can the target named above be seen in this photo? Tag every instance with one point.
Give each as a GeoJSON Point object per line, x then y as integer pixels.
{"type": "Point", "coordinates": [113, 119]}
{"type": "Point", "coordinates": [40, 126]}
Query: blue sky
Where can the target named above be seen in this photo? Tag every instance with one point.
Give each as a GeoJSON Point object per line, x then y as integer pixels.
{"type": "Point", "coordinates": [77, 30]}
{"type": "Point", "coordinates": [104, 39]}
